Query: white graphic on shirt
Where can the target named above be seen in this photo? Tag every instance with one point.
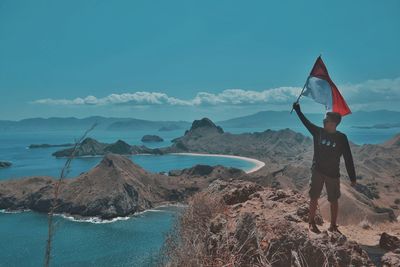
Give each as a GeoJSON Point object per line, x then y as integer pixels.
{"type": "Point", "coordinates": [328, 143]}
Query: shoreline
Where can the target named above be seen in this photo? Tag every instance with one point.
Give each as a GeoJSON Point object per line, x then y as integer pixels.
{"type": "Point", "coordinates": [258, 163]}
{"type": "Point", "coordinates": [98, 220]}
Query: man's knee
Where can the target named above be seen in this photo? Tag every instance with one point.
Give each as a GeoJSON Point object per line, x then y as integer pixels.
{"type": "Point", "coordinates": [333, 201]}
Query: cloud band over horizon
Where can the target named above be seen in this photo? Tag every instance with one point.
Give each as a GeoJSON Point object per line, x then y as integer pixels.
{"type": "Point", "coordinates": [370, 91]}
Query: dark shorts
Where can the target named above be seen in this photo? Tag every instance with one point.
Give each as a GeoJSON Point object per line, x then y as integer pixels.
{"type": "Point", "coordinates": [317, 182]}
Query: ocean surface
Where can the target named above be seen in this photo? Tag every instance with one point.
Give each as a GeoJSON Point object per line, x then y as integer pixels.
{"type": "Point", "coordinates": [134, 241]}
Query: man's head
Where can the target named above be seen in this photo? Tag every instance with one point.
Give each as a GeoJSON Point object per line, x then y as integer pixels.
{"type": "Point", "coordinates": [331, 121]}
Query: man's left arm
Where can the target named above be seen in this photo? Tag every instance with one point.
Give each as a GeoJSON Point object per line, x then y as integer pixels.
{"type": "Point", "coordinates": [348, 160]}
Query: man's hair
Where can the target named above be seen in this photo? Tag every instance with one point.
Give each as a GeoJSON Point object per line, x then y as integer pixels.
{"type": "Point", "coordinates": [333, 116]}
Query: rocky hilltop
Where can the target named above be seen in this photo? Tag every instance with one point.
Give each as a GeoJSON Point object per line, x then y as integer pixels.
{"type": "Point", "coordinates": [206, 137]}
{"type": "Point", "coordinates": [115, 187]}
{"type": "Point", "coordinates": [250, 225]}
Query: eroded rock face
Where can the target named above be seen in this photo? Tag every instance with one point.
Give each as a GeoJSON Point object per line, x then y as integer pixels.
{"type": "Point", "coordinates": [205, 123]}
{"type": "Point", "coordinates": [389, 242]}
{"type": "Point", "coordinates": [119, 147]}
{"type": "Point", "coordinates": [257, 229]}
{"type": "Point", "coordinates": [210, 172]}
{"type": "Point", "coordinates": [390, 259]}
{"type": "Point", "coordinates": [115, 187]}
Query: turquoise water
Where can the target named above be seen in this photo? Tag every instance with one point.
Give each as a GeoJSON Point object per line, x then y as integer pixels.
{"type": "Point", "coordinates": [132, 242]}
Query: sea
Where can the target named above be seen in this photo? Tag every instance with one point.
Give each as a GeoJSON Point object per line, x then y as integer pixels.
{"type": "Point", "coordinates": [131, 241]}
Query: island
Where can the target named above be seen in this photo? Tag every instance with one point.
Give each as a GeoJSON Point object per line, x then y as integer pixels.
{"type": "Point", "coordinates": [152, 138]}
{"type": "Point", "coordinates": [33, 146]}
{"type": "Point", "coordinates": [5, 164]}
{"type": "Point", "coordinates": [115, 187]}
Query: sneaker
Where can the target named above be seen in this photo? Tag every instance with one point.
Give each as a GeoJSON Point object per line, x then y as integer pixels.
{"type": "Point", "coordinates": [334, 228]}
{"type": "Point", "coordinates": [313, 228]}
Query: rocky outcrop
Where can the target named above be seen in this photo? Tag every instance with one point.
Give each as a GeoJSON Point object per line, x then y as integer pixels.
{"type": "Point", "coordinates": [88, 147]}
{"type": "Point", "coordinates": [152, 138]}
{"type": "Point", "coordinates": [205, 137]}
{"type": "Point", "coordinates": [5, 164]}
{"type": "Point", "coordinates": [115, 187]}
{"type": "Point", "coordinates": [392, 245]}
{"type": "Point", "coordinates": [119, 147]}
{"type": "Point", "coordinates": [252, 228]}
{"type": "Point", "coordinates": [389, 242]}
{"type": "Point", "coordinates": [217, 171]}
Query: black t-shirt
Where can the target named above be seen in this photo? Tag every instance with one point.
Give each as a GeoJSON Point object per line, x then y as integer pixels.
{"type": "Point", "coordinates": [328, 148]}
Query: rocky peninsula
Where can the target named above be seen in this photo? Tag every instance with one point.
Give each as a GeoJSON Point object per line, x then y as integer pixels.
{"type": "Point", "coordinates": [115, 187]}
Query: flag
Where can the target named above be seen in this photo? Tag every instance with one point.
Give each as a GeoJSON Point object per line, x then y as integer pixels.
{"type": "Point", "coordinates": [321, 88]}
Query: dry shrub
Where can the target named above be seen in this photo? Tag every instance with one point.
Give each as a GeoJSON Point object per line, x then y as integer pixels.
{"type": "Point", "coordinates": [186, 245]}
{"type": "Point", "coordinates": [196, 242]}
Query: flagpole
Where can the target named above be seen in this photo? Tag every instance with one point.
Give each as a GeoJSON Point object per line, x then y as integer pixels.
{"type": "Point", "coordinates": [297, 101]}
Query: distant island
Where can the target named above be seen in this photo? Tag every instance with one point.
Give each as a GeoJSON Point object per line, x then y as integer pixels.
{"type": "Point", "coordinates": [151, 138]}
{"type": "Point", "coordinates": [262, 119]}
{"type": "Point", "coordinates": [380, 126]}
{"type": "Point", "coordinates": [33, 146]}
{"type": "Point", "coordinates": [5, 164]}
{"type": "Point", "coordinates": [92, 147]}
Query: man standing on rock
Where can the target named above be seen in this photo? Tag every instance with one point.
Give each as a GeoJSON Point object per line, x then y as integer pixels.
{"type": "Point", "coordinates": [329, 146]}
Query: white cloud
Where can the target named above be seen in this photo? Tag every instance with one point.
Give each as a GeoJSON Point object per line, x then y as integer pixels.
{"type": "Point", "coordinates": [372, 91]}
{"type": "Point", "coordinates": [368, 92]}
{"type": "Point", "coordinates": [229, 97]}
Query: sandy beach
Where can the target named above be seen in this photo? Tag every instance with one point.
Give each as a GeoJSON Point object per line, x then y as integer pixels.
{"type": "Point", "coordinates": [258, 164]}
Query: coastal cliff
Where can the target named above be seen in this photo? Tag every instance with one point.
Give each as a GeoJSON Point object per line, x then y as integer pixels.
{"type": "Point", "coordinates": [115, 187]}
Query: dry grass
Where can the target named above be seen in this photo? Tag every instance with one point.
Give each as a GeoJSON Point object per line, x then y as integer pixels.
{"type": "Point", "coordinates": [186, 244]}
{"type": "Point", "coordinates": [191, 243]}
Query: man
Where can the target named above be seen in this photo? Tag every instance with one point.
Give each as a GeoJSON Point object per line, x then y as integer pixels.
{"type": "Point", "coordinates": [329, 146]}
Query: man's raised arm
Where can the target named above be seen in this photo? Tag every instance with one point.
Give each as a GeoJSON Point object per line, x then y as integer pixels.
{"type": "Point", "coordinates": [312, 128]}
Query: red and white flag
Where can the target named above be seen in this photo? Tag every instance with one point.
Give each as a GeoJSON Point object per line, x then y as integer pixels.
{"type": "Point", "coordinates": [321, 88]}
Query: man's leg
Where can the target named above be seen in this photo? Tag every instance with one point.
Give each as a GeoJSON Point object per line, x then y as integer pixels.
{"type": "Point", "coordinates": [313, 209]}
{"type": "Point", "coordinates": [334, 212]}
{"type": "Point", "coordinates": [333, 190]}
{"type": "Point", "coordinates": [316, 185]}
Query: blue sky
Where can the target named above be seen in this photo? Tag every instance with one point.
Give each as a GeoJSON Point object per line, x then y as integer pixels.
{"type": "Point", "coordinates": [189, 59]}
